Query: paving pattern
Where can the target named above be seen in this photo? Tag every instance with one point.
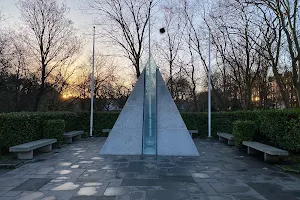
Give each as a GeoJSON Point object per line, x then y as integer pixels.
{"type": "Point", "coordinates": [78, 172]}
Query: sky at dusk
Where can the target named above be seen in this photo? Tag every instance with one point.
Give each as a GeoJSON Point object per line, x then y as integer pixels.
{"type": "Point", "coordinates": [82, 22]}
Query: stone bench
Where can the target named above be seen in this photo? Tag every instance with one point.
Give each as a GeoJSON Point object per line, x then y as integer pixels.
{"type": "Point", "coordinates": [193, 132]}
{"type": "Point", "coordinates": [106, 130]}
{"type": "Point", "coordinates": [190, 131]}
{"type": "Point", "coordinates": [25, 151]}
{"type": "Point", "coordinates": [271, 154]}
{"type": "Point", "coordinates": [69, 136]}
{"type": "Point", "coordinates": [226, 137]}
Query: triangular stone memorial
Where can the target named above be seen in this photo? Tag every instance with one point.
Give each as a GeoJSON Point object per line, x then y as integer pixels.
{"type": "Point", "coordinates": [173, 138]}
{"type": "Point", "coordinates": [126, 137]}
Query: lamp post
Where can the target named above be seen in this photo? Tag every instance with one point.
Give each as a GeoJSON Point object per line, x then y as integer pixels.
{"type": "Point", "coordinates": [92, 85]}
{"type": "Point", "coordinates": [209, 85]}
{"type": "Point", "coordinates": [149, 30]}
{"type": "Point", "coordinates": [149, 71]}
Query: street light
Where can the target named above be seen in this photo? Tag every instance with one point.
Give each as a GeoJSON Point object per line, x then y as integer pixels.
{"type": "Point", "coordinates": [149, 30]}
{"type": "Point", "coordinates": [209, 85]}
{"type": "Point", "coordinates": [92, 85]}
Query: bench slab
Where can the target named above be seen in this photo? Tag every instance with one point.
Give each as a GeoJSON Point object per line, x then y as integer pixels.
{"type": "Point", "coordinates": [226, 135]}
{"type": "Point", "coordinates": [25, 151]}
{"type": "Point", "coordinates": [106, 130]}
{"type": "Point", "coordinates": [193, 131]}
{"type": "Point", "coordinates": [190, 131]}
{"type": "Point", "coordinates": [32, 145]}
{"type": "Point", "coordinates": [69, 136]}
{"type": "Point", "coordinates": [72, 134]}
{"type": "Point", "coordinates": [273, 151]}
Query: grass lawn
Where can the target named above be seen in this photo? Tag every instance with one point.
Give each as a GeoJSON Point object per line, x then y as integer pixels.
{"type": "Point", "coordinates": [9, 161]}
{"type": "Point", "coordinates": [291, 164]}
{"type": "Point", "coordinates": [6, 156]}
{"type": "Point", "coordinates": [291, 168]}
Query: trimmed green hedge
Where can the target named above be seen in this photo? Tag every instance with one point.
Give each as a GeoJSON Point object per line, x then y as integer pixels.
{"type": "Point", "coordinates": [244, 131]}
{"type": "Point", "coordinates": [102, 120]}
{"type": "Point", "coordinates": [16, 129]}
{"type": "Point", "coordinates": [277, 127]}
{"type": "Point", "coordinates": [54, 129]}
{"type": "Point", "coordinates": [72, 120]}
{"type": "Point", "coordinates": [220, 121]}
{"type": "Point", "coordinates": [282, 128]}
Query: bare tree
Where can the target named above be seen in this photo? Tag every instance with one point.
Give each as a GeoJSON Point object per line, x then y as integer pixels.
{"type": "Point", "coordinates": [19, 68]}
{"type": "Point", "coordinates": [17, 83]}
{"type": "Point", "coordinates": [271, 48]}
{"type": "Point", "coordinates": [287, 14]}
{"type": "Point", "coordinates": [172, 41]}
{"type": "Point", "coordinates": [192, 74]}
{"type": "Point", "coordinates": [197, 42]}
{"type": "Point", "coordinates": [105, 81]}
{"type": "Point", "coordinates": [240, 53]}
{"type": "Point", "coordinates": [4, 48]}
{"type": "Point", "coordinates": [125, 24]}
{"type": "Point", "coordinates": [51, 38]}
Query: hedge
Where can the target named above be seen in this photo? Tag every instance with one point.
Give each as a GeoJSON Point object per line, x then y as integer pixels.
{"type": "Point", "coordinates": [220, 121]}
{"type": "Point", "coordinates": [282, 128]}
{"type": "Point", "coordinates": [54, 129]}
{"type": "Point", "coordinates": [102, 120]}
{"type": "Point", "coordinates": [18, 128]}
{"type": "Point", "coordinates": [244, 131]}
{"type": "Point", "coordinates": [277, 127]}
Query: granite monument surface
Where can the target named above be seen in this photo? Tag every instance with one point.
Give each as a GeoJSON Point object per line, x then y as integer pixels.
{"type": "Point", "coordinates": [150, 123]}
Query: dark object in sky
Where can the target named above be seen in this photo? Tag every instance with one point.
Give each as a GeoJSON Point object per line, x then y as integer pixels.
{"type": "Point", "coordinates": [162, 30]}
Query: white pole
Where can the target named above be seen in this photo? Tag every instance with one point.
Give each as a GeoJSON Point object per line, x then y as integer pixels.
{"type": "Point", "coordinates": [149, 31]}
{"type": "Point", "coordinates": [209, 84]}
{"type": "Point", "coordinates": [92, 86]}
{"type": "Point", "coordinates": [149, 68]}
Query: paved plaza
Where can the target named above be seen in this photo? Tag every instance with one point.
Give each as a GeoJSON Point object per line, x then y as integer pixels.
{"type": "Point", "coordinates": [78, 172]}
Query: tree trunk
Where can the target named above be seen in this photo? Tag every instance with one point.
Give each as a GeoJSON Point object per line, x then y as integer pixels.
{"type": "Point", "coordinates": [282, 89]}
{"type": "Point", "coordinates": [249, 97]}
{"type": "Point", "coordinates": [38, 99]}
{"type": "Point", "coordinates": [297, 87]}
{"type": "Point", "coordinates": [17, 94]}
{"type": "Point", "coordinates": [195, 99]}
{"type": "Point", "coordinates": [42, 87]}
{"type": "Point", "coordinates": [137, 68]}
{"type": "Point", "coordinates": [171, 79]}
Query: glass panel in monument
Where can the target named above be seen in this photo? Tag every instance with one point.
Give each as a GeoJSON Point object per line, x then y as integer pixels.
{"type": "Point", "coordinates": [149, 124]}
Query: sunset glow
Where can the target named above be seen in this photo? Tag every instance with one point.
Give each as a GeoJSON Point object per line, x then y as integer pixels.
{"type": "Point", "coordinates": [67, 96]}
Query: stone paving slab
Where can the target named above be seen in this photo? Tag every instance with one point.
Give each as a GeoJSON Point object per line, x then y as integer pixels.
{"type": "Point", "coordinates": [4, 171]}
{"type": "Point", "coordinates": [32, 184]}
{"type": "Point", "coordinates": [79, 172]}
